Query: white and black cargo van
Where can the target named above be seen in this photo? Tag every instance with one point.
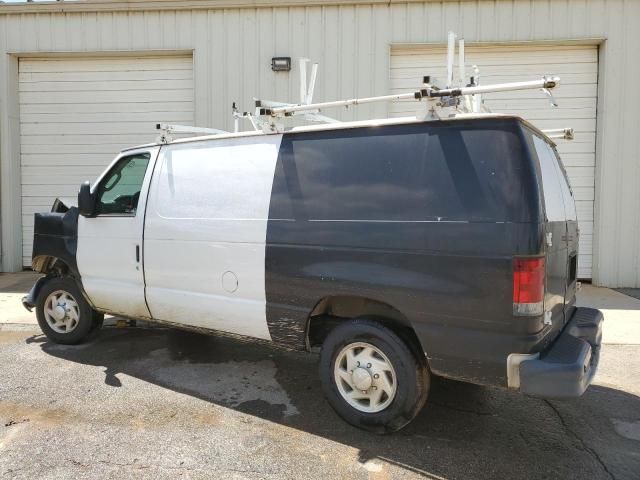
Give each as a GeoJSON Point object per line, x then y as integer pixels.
{"type": "Point", "coordinates": [402, 248]}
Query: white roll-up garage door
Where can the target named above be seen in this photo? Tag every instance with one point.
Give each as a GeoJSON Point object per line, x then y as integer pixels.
{"type": "Point", "coordinates": [577, 65]}
{"type": "Point", "coordinates": [76, 114]}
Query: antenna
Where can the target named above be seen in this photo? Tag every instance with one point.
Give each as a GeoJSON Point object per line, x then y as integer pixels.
{"type": "Point", "coordinates": [451, 52]}
{"type": "Point", "coordinates": [312, 82]}
{"type": "Point", "coordinates": [461, 74]}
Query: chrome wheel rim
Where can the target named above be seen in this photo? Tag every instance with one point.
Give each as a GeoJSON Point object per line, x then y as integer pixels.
{"type": "Point", "coordinates": [61, 312]}
{"type": "Point", "coordinates": [365, 377]}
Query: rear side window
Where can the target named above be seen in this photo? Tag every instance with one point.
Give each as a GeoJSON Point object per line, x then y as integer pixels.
{"type": "Point", "coordinates": [420, 172]}
{"type": "Point", "coordinates": [558, 197]}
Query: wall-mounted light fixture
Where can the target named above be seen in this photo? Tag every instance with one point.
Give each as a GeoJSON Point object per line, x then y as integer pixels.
{"type": "Point", "coordinates": [281, 64]}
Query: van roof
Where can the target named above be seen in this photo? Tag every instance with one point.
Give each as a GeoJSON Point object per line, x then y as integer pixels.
{"type": "Point", "coordinates": [339, 126]}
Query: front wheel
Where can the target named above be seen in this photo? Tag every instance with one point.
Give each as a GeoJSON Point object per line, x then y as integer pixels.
{"type": "Point", "coordinates": [63, 313]}
{"type": "Point", "coordinates": [371, 377]}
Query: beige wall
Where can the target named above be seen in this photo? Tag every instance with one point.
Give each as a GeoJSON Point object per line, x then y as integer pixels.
{"type": "Point", "coordinates": [233, 47]}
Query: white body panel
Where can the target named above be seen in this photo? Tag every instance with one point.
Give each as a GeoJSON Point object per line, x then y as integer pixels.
{"type": "Point", "coordinates": [576, 65]}
{"type": "Point", "coordinates": [111, 274]}
{"type": "Point", "coordinates": [76, 113]}
{"type": "Point", "coordinates": [205, 233]}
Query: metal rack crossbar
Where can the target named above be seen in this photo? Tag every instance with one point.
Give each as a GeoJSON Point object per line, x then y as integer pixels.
{"type": "Point", "coordinates": [428, 92]}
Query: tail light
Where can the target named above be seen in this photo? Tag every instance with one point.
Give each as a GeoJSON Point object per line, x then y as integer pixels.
{"type": "Point", "coordinates": [528, 286]}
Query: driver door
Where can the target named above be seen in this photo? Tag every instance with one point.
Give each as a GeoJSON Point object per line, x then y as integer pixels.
{"type": "Point", "coordinates": [109, 251]}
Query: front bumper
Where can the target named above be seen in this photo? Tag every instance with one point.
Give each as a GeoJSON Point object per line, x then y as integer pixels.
{"type": "Point", "coordinates": [568, 366]}
{"type": "Point", "coordinates": [29, 300]}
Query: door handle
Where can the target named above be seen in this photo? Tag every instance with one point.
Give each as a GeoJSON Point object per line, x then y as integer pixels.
{"type": "Point", "coordinates": [138, 253]}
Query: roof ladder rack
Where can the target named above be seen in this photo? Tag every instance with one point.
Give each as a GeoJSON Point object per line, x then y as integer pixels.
{"type": "Point", "coordinates": [457, 97]}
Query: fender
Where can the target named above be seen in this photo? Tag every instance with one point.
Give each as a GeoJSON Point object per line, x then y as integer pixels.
{"type": "Point", "coordinates": [55, 241]}
{"type": "Point", "coordinates": [29, 300]}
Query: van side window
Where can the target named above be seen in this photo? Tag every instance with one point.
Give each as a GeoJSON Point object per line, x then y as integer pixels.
{"type": "Point", "coordinates": [407, 173]}
{"type": "Point", "coordinates": [567, 191]}
{"type": "Point", "coordinates": [365, 176]}
{"type": "Point", "coordinates": [119, 191]}
{"type": "Point", "coordinates": [558, 198]}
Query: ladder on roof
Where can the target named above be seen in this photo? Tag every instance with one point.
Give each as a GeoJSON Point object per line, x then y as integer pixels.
{"type": "Point", "coordinates": [450, 101]}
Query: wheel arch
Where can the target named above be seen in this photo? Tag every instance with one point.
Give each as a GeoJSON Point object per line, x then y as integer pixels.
{"type": "Point", "coordinates": [50, 264]}
{"type": "Point", "coordinates": [333, 310]}
{"type": "Point", "coordinates": [52, 267]}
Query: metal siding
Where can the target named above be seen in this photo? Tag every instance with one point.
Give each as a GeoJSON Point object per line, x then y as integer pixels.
{"type": "Point", "coordinates": [577, 66]}
{"type": "Point", "coordinates": [77, 113]}
{"type": "Point", "coordinates": [223, 56]}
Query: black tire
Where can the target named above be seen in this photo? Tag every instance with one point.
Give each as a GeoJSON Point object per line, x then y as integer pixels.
{"type": "Point", "coordinates": [87, 321]}
{"type": "Point", "coordinates": [412, 375]}
{"type": "Point", "coordinates": [98, 320]}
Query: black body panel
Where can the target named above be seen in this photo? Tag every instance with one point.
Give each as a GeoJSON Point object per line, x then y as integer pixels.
{"type": "Point", "coordinates": [56, 235]}
{"type": "Point", "coordinates": [423, 217]}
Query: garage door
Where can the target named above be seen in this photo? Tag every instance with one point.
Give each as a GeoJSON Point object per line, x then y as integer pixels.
{"type": "Point", "coordinates": [77, 113]}
{"type": "Point", "coordinates": [578, 68]}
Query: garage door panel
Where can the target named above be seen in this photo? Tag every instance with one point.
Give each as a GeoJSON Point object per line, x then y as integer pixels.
{"type": "Point", "coordinates": [585, 210]}
{"type": "Point", "coordinates": [527, 59]}
{"type": "Point", "coordinates": [583, 115]}
{"type": "Point", "coordinates": [106, 86]}
{"type": "Point", "coordinates": [89, 97]}
{"type": "Point", "coordinates": [577, 65]}
{"type": "Point", "coordinates": [584, 265]}
{"type": "Point", "coordinates": [537, 101]}
{"type": "Point", "coordinates": [579, 159]}
{"type": "Point", "coordinates": [76, 114]}
{"type": "Point", "coordinates": [418, 66]}
{"type": "Point", "coordinates": [58, 169]}
{"type": "Point", "coordinates": [586, 172]}
{"type": "Point", "coordinates": [71, 129]}
{"type": "Point", "coordinates": [583, 144]}
{"type": "Point", "coordinates": [51, 190]}
{"type": "Point", "coordinates": [107, 64]}
{"type": "Point", "coordinates": [78, 77]}
{"type": "Point", "coordinates": [149, 117]}
{"type": "Point", "coordinates": [118, 141]}
{"type": "Point", "coordinates": [95, 158]}
{"type": "Point", "coordinates": [586, 242]}
{"type": "Point", "coordinates": [414, 75]}
{"type": "Point", "coordinates": [567, 114]}
{"type": "Point", "coordinates": [115, 107]}
{"type": "Point", "coordinates": [65, 177]}
{"type": "Point", "coordinates": [583, 193]}
{"type": "Point", "coordinates": [581, 182]}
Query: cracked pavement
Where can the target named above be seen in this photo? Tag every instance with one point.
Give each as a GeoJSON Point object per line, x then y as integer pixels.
{"type": "Point", "coordinates": [160, 403]}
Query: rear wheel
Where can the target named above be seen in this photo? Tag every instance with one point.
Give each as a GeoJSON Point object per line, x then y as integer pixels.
{"type": "Point", "coordinates": [63, 313]}
{"type": "Point", "coordinates": [371, 377]}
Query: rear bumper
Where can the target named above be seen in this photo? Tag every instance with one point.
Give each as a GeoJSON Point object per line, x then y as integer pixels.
{"type": "Point", "coordinates": [567, 367]}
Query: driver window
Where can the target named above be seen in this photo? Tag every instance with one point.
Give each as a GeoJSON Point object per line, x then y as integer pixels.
{"type": "Point", "coordinates": [119, 190]}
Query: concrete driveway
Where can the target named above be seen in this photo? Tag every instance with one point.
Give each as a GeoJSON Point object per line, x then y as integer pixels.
{"type": "Point", "coordinates": [160, 403]}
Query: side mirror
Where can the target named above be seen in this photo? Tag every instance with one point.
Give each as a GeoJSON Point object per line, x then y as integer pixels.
{"type": "Point", "coordinates": [86, 201]}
